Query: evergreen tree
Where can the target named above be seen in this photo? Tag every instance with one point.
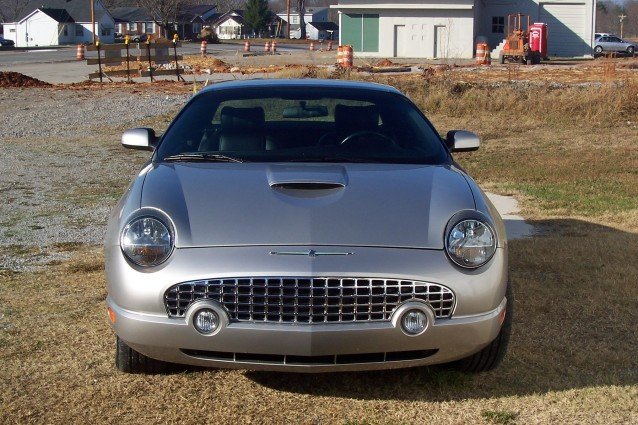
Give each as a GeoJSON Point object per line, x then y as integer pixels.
{"type": "Point", "coordinates": [256, 15]}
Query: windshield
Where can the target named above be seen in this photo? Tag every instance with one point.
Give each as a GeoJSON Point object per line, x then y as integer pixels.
{"type": "Point", "coordinates": [301, 124]}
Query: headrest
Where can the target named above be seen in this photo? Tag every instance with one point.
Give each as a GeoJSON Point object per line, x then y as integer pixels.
{"type": "Point", "coordinates": [356, 118]}
{"type": "Point", "coordinates": [242, 119]}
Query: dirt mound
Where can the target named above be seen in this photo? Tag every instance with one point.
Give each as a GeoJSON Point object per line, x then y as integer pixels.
{"type": "Point", "coordinates": [218, 62]}
{"type": "Point", "coordinates": [15, 79]}
{"type": "Point", "coordinates": [385, 62]}
{"type": "Point", "coordinates": [204, 64]}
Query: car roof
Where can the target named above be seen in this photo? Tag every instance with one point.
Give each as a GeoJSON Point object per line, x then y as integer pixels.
{"type": "Point", "coordinates": [309, 83]}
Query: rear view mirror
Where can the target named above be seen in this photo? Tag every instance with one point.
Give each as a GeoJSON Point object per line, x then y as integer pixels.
{"type": "Point", "coordinates": [462, 141]}
{"type": "Point", "coordinates": [305, 111]}
{"type": "Point", "coordinates": [139, 138]}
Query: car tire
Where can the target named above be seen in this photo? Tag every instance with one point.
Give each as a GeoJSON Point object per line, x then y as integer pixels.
{"type": "Point", "coordinates": [492, 355]}
{"type": "Point", "coordinates": [630, 51]}
{"type": "Point", "coordinates": [598, 50]}
{"type": "Point", "coordinates": [130, 361]}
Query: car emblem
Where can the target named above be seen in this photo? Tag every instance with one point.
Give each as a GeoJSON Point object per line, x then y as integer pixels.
{"type": "Point", "coordinates": [310, 253]}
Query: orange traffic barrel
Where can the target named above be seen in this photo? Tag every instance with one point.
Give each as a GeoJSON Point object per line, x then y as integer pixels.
{"type": "Point", "coordinates": [273, 46]}
{"type": "Point", "coordinates": [312, 45]}
{"type": "Point", "coordinates": [339, 56]}
{"type": "Point", "coordinates": [330, 45]}
{"type": "Point", "coordinates": [247, 46]}
{"type": "Point", "coordinates": [482, 50]}
{"type": "Point", "coordinates": [267, 47]}
{"type": "Point", "coordinates": [347, 56]}
{"type": "Point", "coordinates": [79, 55]}
{"type": "Point", "coordinates": [202, 47]}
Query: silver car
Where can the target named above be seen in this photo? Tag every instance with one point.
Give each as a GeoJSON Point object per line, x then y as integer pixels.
{"type": "Point", "coordinates": [306, 226]}
{"type": "Point", "coordinates": [612, 43]}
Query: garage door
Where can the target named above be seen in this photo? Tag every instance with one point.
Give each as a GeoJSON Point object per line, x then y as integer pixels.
{"type": "Point", "coordinates": [567, 28]}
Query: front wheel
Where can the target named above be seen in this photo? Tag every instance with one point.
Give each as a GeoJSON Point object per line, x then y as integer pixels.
{"type": "Point", "coordinates": [492, 355]}
{"type": "Point", "coordinates": [130, 361]}
{"type": "Point", "coordinates": [598, 50]}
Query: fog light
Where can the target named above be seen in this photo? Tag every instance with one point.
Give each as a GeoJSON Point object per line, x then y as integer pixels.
{"type": "Point", "coordinates": [414, 322]}
{"type": "Point", "coordinates": [206, 321]}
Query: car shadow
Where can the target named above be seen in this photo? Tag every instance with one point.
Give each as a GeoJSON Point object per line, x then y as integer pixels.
{"type": "Point", "coordinates": [574, 326]}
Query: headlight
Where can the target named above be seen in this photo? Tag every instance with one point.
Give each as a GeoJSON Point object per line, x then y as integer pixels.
{"type": "Point", "coordinates": [470, 243]}
{"type": "Point", "coordinates": [146, 241]}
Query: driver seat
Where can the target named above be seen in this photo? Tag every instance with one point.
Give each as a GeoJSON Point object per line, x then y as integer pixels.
{"type": "Point", "coordinates": [242, 129]}
{"type": "Point", "coordinates": [349, 120]}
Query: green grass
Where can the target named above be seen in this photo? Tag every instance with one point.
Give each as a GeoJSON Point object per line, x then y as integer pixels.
{"type": "Point", "coordinates": [503, 417]}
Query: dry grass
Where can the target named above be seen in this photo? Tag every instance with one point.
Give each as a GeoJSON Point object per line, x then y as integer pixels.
{"type": "Point", "coordinates": [573, 358]}
{"type": "Point", "coordinates": [574, 351]}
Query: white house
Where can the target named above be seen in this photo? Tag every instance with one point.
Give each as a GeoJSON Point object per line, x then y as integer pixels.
{"type": "Point", "coordinates": [230, 25]}
{"type": "Point", "coordinates": [322, 31]}
{"type": "Point", "coordinates": [58, 22]}
{"type": "Point", "coordinates": [312, 14]}
{"type": "Point", "coordinates": [449, 29]}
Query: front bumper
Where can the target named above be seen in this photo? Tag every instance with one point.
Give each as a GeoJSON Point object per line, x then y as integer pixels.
{"type": "Point", "coordinates": [307, 348]}
{"type": "Point", "coordinates": [141, 320]}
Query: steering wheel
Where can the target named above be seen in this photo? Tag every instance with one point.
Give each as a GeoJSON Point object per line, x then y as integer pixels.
{"type": "Point", "coordinates": [358, 134]}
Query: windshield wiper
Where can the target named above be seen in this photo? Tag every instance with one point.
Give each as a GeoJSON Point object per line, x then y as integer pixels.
{"type": "Point", "coordinates": [204, 157]}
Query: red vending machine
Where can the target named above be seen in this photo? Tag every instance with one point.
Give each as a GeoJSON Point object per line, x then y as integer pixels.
{"type": "Point", "coordinates": [538, 38]}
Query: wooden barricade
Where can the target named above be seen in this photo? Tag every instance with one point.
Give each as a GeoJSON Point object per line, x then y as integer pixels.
{"type": "Point", "coordinates": [150, 53]}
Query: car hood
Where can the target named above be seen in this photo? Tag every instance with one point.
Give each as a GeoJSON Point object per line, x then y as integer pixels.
{"type": "Point", "coordinates": [225, 204]}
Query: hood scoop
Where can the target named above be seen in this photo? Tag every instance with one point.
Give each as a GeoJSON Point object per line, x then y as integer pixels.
{"type": "Point", "coordinates": [307, 185]}
{"type": "Point", "coordinates": [307, 177]}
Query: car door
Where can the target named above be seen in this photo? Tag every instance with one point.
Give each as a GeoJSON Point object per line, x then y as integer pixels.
{"type": "Point", "coordinates": [616, 44]}
{"type": "Point", "coordinates": [603, 43]}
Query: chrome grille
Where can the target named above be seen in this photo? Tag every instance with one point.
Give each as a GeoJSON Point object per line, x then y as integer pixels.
{"type": "Point", "coordinates": [308, 300]}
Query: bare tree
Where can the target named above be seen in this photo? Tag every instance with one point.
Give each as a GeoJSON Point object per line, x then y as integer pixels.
{"type": "Point", "coordinates": [12, 10]}
{"type": "Point", "coordinates": [301, 8]}
{"type": "Point", "coordinates": [227, 5]}
{"type": "Point", "coordinates": [164, 12]}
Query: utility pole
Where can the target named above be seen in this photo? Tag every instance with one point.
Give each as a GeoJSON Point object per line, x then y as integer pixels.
{"type": "Point", "coordinates": [288, 19]}
{"type": "Point", "coordinates": [622, 17]}
{"type": "Point", "coordinates": [93, 19]}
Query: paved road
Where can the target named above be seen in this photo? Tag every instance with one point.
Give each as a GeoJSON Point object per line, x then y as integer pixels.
{"type": "Point", "coordinates": [13, 57]}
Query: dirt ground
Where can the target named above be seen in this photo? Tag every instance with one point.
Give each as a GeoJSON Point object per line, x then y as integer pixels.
{"type": "Point", "coordinates": [574, 351]}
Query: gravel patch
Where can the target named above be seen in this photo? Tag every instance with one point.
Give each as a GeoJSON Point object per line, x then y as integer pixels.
{"type": "Point", "coordinates": [63, 169]}
{"type": "Point", "coordinates": [51, 112]}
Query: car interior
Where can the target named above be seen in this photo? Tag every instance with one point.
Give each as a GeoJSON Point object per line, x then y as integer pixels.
{"type": "Point", "coordinates": [296, 129]}
{"type": "Point", "coordinates": [245, 129]}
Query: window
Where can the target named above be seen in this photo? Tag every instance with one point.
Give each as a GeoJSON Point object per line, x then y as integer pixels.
{"type": "Point", "coordinates": [106, 32]}
{"type": "Point", "coordinates": [148, 28]}
{"type": "Point", "coordinates": [79, 30]}
{"type": "Point", "coordinates": [360, 31]}
{"type": "Point", "coordinates": [498, 24]}
{"type": "Point", "coordinates": [197, 28]}
{"type": "Point", "coordinates": [264, 126]}
{"type": "Point", "coordinates": [12, 30]}
{"type": "Point", "coordinates": [65, 30]}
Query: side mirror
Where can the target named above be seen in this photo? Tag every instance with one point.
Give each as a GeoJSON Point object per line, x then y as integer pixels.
{"type": "Point", "coordinates": [462, 141]}
{"type": "Point", "coordinates": [139, 138]}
